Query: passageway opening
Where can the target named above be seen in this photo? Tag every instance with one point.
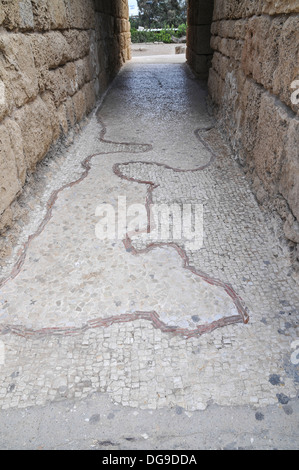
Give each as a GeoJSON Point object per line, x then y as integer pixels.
{"type": "Point", "coordinates": [199, 52]}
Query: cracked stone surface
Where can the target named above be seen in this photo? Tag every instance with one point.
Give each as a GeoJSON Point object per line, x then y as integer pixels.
{"type": "Point", "coordinates": [81, 315]}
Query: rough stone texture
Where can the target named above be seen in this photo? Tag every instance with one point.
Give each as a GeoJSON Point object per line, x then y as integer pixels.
{"type": "Point", "coordinates": [18, 71]}
{"type": "Point", "coordinates": [199, 52]}
{"type": "Point", "coordinates": [11, 163]}
{"type": "Point", "coordinates": [57, 57]}
{"type": "Point", "coordinates": [255, 62]}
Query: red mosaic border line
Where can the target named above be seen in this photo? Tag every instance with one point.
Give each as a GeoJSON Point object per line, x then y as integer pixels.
{"type": "Point", "coordinates": [238, 301]}
{"type": "Point", "coordinates": [152, 316]}
{"type": "Point", "coordinates": [53, 198]}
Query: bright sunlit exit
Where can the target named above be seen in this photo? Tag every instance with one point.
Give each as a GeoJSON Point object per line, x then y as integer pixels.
{"type": "Point", "coordinates": [133, 8]}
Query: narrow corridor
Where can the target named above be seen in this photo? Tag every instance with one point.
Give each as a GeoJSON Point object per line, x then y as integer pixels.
{"type": "Point", "coordinates": [150, 321]}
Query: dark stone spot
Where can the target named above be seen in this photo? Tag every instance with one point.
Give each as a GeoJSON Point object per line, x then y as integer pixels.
{"type": "Point", "coordinates": [11, 388]}
{"type": "Point", "coordinates": [287, 409]}
{"type": "Point", "coordinates": [274, 379]}
{"type": "Point", "coordinates": [179, 410]}
{"type": "Point", "coordinates": [105, 443]}
{"type": "Point", "coordinates": [195, 318]}
{"type": "Point", "coordinates": [283, 399]}
{"type": "Point", "coordinates": [259, 416]}
{"type": "Point", "coordinates": [94, 419]}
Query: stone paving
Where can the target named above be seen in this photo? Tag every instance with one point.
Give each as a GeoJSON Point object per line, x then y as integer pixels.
{"type": "Point", "coordinates": [151, 324]}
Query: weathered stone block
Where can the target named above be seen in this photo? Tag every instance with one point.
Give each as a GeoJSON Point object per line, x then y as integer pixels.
{"type": "Point", "coordinates": [34, 120]}
{"type": "Point", "coordinates": [200, 39]}
{"type": "Point", "coordinates": [62, 82]}
{"type": "Point", "coordinates": [89, 67]}
{"type": "Point", "coordinates": [231, 112]}
{"type": "Point", "coordinates": [17, 14]}
{"type": "Point", "coordinates": [79, 105]}
{"type": "Point", "coordinates": [246, 8]}
{"type": "Point", "coordinates": [199, 63]}
{"type": "Point", "coordinates": [56, 83]}
{"type": "Point", "coordinates": [5, 100]}
{"type": "Point", "coordinates": [216, 87]}
{"type": "Point", "coordinates": [180, 50]}
{"type": "Point", "coordinates": [41, 15]}
{"type": "Point", "coordinates": [18, 70]}
{"type": "Point", "coordinates": [81, 72]}
{"type": "Point", "coordinates": [250, 101]}
{"type": "Point", "coordinates": [234, 9]}
{"type": "Point", "coordinates": [221, 64]}
{"type": "Point", "coordinates": [78, 43]}
{"type": "Point", "coordinates": [229, 47]}
{"type": "Point", "coordinates": [289, 180]}
{"type": "Point", "coordinates": [104, 6]}
{"type": "Point", "coordinates": [287, 67]}
{"type": "Point", "coordinates": [52, 110]}
{"type": "Point", "coordinates": [105, 25]}
{"type": "Point", "coordinates": [200, 13]}
{"type": "Point", "coordinates": [12, 167]}
{"type": "Point", "coordinates": [258, 56]}
{"type": "Point", "coordinates": [92, 65]}
{"type": "Point", "coordinates": [50, 50]}
{"type": "Point", "coordinates": [271, 141]}
{"type": "Point", "coordinates": [272, 7]}
{"type": "Point", "coordinates": [120, 9]}
{"type": "Point", "coordinates": [2, 16]}
{"type": "Point", "coordinates": [80, 15]}
{"type": "Point", "coordinates": [90, 96]}
{"type": "Point", "coordinates": [240, 28]}
{"type": "Point", "coordinates": [235, 29]}
{"type": "Point", "coordinates": [62, 119]}
{"type": "Point", "coordinates": [57, 14]}
{"type": "Point", "coordinates": [70, 112]}
{"type": "Point", "coordinates": [291, 229]}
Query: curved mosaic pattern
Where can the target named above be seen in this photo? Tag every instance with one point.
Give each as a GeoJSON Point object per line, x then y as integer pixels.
{"type": "Point", "coordinates": [239, 315]}
{"type": "Point", "coordinates": [139, 356]}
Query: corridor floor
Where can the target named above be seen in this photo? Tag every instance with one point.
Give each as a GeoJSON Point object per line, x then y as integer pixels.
{"type": "Point", "coordinates": [151, 322]}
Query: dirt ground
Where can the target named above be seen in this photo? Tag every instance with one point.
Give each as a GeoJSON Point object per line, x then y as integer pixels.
{"type": "Point", "coordinates": [147, 49]}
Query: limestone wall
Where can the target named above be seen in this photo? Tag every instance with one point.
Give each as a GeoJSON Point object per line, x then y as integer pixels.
{"type": "Point", "coordinates": [56, 58]}
{"type": "Point", "coordinates": [199, 52]}
{"type": "Point", "coordinates": [255, 65]}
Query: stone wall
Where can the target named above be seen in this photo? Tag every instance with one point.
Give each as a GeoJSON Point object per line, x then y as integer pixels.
{"type": "Point", "coordinates": [255, 65]}
{"type": "Point", "coordinates": [199, 53]}
{"type": "Point", "coordinates": [57, 58]}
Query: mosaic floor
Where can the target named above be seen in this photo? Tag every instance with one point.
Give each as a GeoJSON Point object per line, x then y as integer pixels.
{"type": "Point", "coordinates": [154, 323]}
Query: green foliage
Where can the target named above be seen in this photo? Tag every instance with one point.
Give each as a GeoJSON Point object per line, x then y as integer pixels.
{"type": "Point", "coordinates": [182, 30]}
{"type": "Point", "coordinates": [162, 12]}
{"type": "Point", "coordinates": [165, 35]}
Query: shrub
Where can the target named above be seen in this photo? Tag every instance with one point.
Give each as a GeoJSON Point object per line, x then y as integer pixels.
{"type": "Point", "coordinates": [165, 35]}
